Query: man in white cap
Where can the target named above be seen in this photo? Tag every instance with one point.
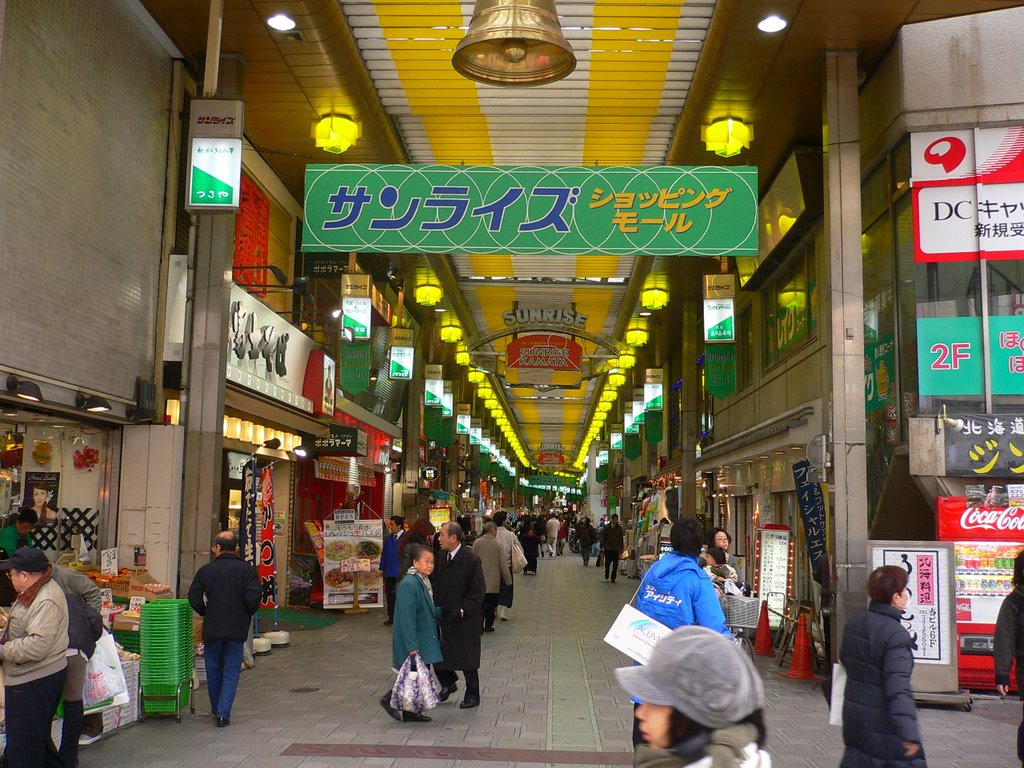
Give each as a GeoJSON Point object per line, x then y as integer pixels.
{"type": "Point", "coordinates": [702, 703]}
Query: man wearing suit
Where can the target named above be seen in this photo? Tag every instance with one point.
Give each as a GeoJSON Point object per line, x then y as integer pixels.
{"type": "Point", "coordinates": [391, 562]}
{"type": "Point", "coordinates": [458, 584]}
{"type": "Point", "coordinates": [494, 564]}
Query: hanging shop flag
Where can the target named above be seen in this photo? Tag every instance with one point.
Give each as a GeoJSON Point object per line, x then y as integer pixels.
{"type": "Point", "coordinates": [531, 210]}
{"type": "Point", "coordinates": [432, 426]}
{"type": "Point", "coordinates": [267, 567]}
{"type": "Point", "coordinates": [719, 325]}
{"type": "Point", "coordinates": [812, 510]}
{"type": "Point", "coordinates": [615, 441]}
{"type": "Point", "coordinates": [356, 312]}
{"type": "Point", "coordinates": [463, 419]}
{"type": "Point", "coordinates": [631, 445]}
{"type": "Point", "coordinates": [248, 528]}
{"type": "Point", "coordinates": [354, 368]}
{"type": "Point", "coordinates": [630, 427]}
{"type": "Point", "coordinates": [215, 155]}
{"type": "Point", "coordinates": [720, 369]}
{"type": "Point", "coordinates": [545, 351]}
{"type": "Point", "coordinates": [653, 389]}
{"type": "Point", "coordinates": [433, 393]}
{"type": "Point", "coordinates": [638, 412]}
{"type": "Point", "coordinates": [653, 429]}
{"type": "Point", "coordinates": [447, 403]}
{"type": "Point", "coordinates": [403, 354]}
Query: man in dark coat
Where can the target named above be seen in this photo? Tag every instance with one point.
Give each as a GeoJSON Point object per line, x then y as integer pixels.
{"type": "Point", "coordinates": [391, 561]}
{"type": "Point", "coordinates": [226, 593]}
{"type": "Point", "coordinates": [459, 589]}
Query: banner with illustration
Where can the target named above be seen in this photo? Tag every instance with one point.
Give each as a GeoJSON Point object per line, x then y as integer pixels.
{"type": "Point", "coordinates": [351, 560]}
{"type": "Point", "coordinates": [267, 563]}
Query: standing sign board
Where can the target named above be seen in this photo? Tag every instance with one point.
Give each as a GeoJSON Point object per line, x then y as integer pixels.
{"type": "Point", "coordinates": [351, 559]}
{"type": "Point", "coordinates": [215, 156]}
{"type": "Point", "coordinates": [929, 617]}
{"type": "Point", "coordinates": [773, 570]}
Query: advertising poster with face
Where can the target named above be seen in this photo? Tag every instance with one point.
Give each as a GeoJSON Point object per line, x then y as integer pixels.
{"type": "Point", "coordinates": [41, 495]}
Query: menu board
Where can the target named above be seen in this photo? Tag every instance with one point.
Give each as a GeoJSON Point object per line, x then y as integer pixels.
{"type": "Point", "coordinates": [927, 615]}
{"type": "Point", "coordinates": [773, 571]}
{"type": "Point", "coordinates": [351, 561]}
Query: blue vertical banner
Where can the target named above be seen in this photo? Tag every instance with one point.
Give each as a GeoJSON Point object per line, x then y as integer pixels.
{"type": "Point", "coordinates": [812, 509]}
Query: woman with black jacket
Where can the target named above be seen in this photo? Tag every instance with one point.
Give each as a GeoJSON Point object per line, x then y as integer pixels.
{"type": "Point", "coordinates": [1009, 642]}
{"type": "Point", "coordinates": [879, 715]}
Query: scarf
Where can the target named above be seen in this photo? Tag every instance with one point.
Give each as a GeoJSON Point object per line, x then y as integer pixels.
{"type": "Point", "coordinates": [29, 595]}
{"type": "Point", "coordinates": [424, 580]}
{"type": "Point", "coordinates": [724, 746]}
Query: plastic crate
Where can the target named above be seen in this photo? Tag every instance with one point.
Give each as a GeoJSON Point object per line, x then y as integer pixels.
{"type": "Point", "coordinates": [164, 706]}
{"type": "Point", "coordinates": [741, 611]}
{"type": "Point", "coordinates": [130, 641]}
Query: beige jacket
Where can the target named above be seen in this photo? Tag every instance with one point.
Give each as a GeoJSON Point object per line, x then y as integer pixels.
{"type": "Point", "coordinates": [493, 562]}
{"type": "Point", "coordinates": [37, 637]}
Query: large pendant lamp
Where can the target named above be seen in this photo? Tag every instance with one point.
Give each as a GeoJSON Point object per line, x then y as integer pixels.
{"type": "Point", "coordinates": [514, 43]}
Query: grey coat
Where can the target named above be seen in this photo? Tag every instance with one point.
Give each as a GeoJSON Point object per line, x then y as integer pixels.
{"type": "Point", "coordinates": [493, 562]}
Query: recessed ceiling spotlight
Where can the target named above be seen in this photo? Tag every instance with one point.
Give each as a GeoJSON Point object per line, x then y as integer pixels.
{"type": "Point", "coordinates": [772, 23]}
{"type": "Point", "coordinates": [281, 23]}
{"type": "Point", "coordinates": [440, 309]}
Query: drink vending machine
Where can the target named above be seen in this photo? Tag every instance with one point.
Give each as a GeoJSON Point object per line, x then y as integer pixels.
{"type": "Point", "coordinates": [986, 539]}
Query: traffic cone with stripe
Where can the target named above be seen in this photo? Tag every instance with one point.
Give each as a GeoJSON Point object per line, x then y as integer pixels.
{"type": "Point", "coordinates": [763, 638]}
{"type": "Point", "coordinates": [800, 666]}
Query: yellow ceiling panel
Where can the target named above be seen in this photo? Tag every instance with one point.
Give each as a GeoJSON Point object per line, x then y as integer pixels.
{"type": "Point", "coordinates": [597, 266]}
{"type": "Point", "coordinates": [595, 304]}
{"type": "Point", "coordinates": [494, 265]}
{"type": "Point", "coordinates": [393, 18]}
{"type": "Point", "coordinates": [530, 423]}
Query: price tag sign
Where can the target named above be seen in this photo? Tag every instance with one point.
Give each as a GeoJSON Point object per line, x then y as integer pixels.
{"type": "Point", "coordinates": [108, 561]}
{"type": "Point", "coordinates": [136, 602]}
{"type": "Point", "coordinates": [107, 597]}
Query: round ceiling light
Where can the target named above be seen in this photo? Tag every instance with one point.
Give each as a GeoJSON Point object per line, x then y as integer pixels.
{"type": "Point", "coordinates": [281, 23]}
{"type": "Point", "coordinates": [771, 24]}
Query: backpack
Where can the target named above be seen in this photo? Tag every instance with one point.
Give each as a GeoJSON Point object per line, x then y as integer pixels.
{"type": "Point", "coordinates": [84, 625]}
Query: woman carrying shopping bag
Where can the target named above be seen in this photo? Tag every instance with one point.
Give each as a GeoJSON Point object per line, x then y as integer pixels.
{"type": "Point", "coordinates": [414, 642]}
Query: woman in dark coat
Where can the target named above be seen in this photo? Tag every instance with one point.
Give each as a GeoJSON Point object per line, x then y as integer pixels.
{"type": "Point", "coordinates": [879, 715]}
{"type": "Point", "coordinates": [416, 618]}
{"type": "Point", "coordinates": [1009, 642]}
{"type": "Point", "coordinates": [531, 547]}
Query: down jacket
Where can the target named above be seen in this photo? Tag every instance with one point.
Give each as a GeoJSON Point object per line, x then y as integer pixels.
{"type": "Point", "coordinates": [878, 710]}
{"type": "Point", "coordinates": [1009, 639]}
{"type": "Point", "coordinates": [37, 637]}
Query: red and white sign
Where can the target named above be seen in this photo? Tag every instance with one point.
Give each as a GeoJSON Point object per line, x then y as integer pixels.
{"type": "Point", "coordinates": [968, 194]}
{"type": "Point", "coordinates": [550, 459]}
{"type": "Point", "coordinates": [958, 522]}
{"type": "Point", "coordinates": [547, 351]}
{"type": "Point", "coordinates": [267, 566]}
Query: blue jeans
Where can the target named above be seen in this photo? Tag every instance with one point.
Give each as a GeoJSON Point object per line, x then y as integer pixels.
{"type": "Point", "coordinates": [223, 668]}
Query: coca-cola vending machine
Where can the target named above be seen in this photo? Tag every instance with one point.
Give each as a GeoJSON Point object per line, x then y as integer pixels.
{"type": "Point", "coordinates": [986, 539]}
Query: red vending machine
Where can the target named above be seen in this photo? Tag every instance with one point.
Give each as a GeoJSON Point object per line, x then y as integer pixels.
{"type": "Point", "coordinates": [985, 539]}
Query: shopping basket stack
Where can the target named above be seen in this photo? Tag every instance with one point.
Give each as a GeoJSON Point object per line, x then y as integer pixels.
{"type": "Point", "coordinates": [167, 656]}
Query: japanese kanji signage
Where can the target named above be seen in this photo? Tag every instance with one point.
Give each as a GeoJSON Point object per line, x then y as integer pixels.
{"type": "Point", "coordinates": [951, 359]}
{"type": "Point", "coordinates": [215, 155]}
{"type": "Point", "coordinates": [812, 510]}
{"type": "Point", "coordinates": [718, 320]}
{"type": "Point", "coordinates": [968, 194]}
{"type": "Point", "coordinates": [879, 372]}
{"type": "Point", "coordinates": [720, 369]}
{"type": "Point", "coordinates": [615, 439]}
{"type": "Point", "coordinates": [355, 317]}
{"type": "Point", "coordinates": [267, 565]}
{"type": "Point", "coordinates": [773, 570]}
{"type": "Point", "coordinates": [985, 446]}
{"type": "Point", "coordinates": [354, 368]}
{"type": "Point", "coordinates": [528, 210]}
{"type": "Point", "coordinates": [654, 389]}
{"type": "Point", "coordinates": [550, 352]}
{"type": "Point", "coordinates": [403, 354]}
{"type": "Point", "coordinates": [928, 617]}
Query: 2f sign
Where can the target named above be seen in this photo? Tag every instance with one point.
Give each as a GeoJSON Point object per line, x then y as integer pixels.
{"type": "Point", "coordinates": [949, 357]}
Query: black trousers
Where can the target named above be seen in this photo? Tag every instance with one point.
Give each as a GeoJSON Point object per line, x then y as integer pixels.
{"type": "Point", "coordinates": [447, 677]}
{"type": "Point", "coordinates": [490, 605]}
{"type": "Point", "coordinates": [611, 561]}
{"type": "Point", "coordinates": [30, 708]}
{"type": "Point", "coordinates": [390, 583]}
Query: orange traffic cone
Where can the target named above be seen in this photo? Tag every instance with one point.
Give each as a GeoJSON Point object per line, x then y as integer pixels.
{"type": "Point", "coordinates": [763, 638]}
{"type": "Point", "coordinates": [800, 666]}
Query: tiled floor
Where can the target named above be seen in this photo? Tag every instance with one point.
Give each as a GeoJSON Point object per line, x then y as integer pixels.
{"type": "Point", "coordinates": [548, 698]}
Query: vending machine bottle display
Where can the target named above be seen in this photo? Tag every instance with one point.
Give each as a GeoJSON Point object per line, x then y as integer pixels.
{"type": "Point", "coordinates": [986, 539]}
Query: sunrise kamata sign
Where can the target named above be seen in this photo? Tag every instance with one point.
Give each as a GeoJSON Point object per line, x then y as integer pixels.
{"type": "Point", "coordinates": [532, 210]}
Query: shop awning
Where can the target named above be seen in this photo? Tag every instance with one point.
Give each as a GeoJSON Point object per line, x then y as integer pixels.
{"type": "Point", "coordinates": [269, 411]}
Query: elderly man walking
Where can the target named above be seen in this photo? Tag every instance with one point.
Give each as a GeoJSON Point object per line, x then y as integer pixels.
{"type": "Point", "coordinates": [507, 540]}
{"type": "Point", "coordinates": [226, 593]}
{"type": "Point", "coordinates": [459, 591]}
{"type": "Point", "coordinates": [496, 570]}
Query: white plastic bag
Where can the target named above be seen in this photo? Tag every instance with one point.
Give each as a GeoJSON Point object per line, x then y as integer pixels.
{"type": "Point", "coordinates": [835, 709]}
{"type": "Point", "coordinates": [104, 678]}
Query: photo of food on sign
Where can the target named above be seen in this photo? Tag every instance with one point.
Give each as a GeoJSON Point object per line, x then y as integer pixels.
{"type": "Point", "coordinates": [368, 550]}
{"type": "Point", "coordinates": [338, 579]}
{"type": "Point", "coordinates": [339, 549]}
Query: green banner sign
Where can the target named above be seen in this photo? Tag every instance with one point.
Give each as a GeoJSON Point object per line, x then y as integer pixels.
{"type": "Point", "coordinates": [653, 431]}
{"type": "Point", "coordinates": [355, 316]}
{"type": "Point", "coordinates": [354, 367]}
{"type": "Point", "coordinates": [532, 210]}
{"type": "Point", "coordinates": [879, 373]}
{"type": "Point", "coordinates": [720, 369]}
{"type": "Point", "coordinates": [402, 359]}
{"type": "Point", "coordinates": [631, 446]}
{"type": "Point", "coordinates": [949, 356]}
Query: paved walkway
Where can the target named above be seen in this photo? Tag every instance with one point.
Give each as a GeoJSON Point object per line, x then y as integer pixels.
{"type": "Point", "coordinates": [548, 698]}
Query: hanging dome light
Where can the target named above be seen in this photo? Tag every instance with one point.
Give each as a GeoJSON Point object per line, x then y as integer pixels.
{"type": "Point", "coordinates": [627, 359]}
{"type": "Point", "coordinates": [336, 133]}
{"type": "Point", "coordinates": [727, 137]}
{"type": "Point", "coordinates": [428, 294]}
{"type": "Point", "coordinates": [461, 355]}
{"type": "Point", "coordinates": [616, 379]}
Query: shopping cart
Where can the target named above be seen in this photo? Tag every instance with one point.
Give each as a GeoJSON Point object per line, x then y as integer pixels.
{"type": "Point", "coordinates": [741, 615]}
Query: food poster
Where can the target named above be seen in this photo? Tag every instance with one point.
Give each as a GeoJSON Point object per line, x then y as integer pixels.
{"type": "Point", "coordinates": [352, 555]}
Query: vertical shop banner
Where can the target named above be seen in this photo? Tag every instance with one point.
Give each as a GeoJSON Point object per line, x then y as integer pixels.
{"type": "Point", "coordinates": [653, 427]}
{"type": "Point", "coordinates": [354, 368]}
{"type": "Point", "coordinates": [351, 560]}
{"type": "Point", "coordinates": [879, 372]}
{"type": "Point", "coordinates": [631, 446]}
{"type": "Point", "coordinates": [252, 237]}
{"type": "Point", "coordinates": [215, 155]}
{"type": "Point", "coordinates": [248, 528]}
{"type": "Point", "coordinates": [773, 571]}
{"type": "Point", "coordinates": [267, 567]}
{"type": "Point", "coordinates": [812, 510]}
{"type": "Point", "coordinates": [356, 313]}
{"type": "Point", "coordinates": [720, 369]}
{"type": "Point", "coordinates": [927, 617]}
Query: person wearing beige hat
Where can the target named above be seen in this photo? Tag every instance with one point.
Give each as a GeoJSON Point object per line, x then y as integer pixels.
{"type": "Point", "coordinates": [702, 704]}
